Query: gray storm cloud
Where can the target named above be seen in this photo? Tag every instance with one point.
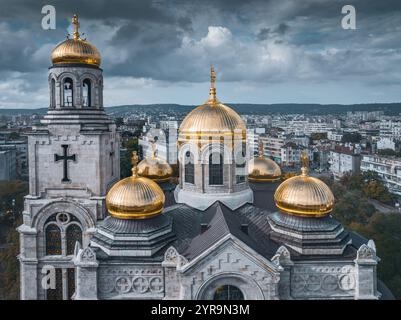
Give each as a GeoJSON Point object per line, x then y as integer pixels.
{"type": "Point", "coordinates": [173, 43]}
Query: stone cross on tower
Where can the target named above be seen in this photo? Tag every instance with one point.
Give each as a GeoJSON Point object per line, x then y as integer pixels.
{"type": "Point", "coordinates": [65, 157]}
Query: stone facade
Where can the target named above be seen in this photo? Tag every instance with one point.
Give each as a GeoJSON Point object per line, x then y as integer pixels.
{"type": "Point", "coordinates": [230, 262]}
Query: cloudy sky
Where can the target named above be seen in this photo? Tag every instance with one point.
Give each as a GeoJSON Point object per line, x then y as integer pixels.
{"type": "Point", "coordinates": [160, 51]}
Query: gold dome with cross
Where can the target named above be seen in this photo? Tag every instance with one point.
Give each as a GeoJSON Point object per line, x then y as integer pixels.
{"type": "Point", "coordinates": [212, 118]}
{"type": "Point", "coordinates": [154, 167]}
{"type": "Point", "coordinates": [135, 197]}
{"type": "Point", "coordinates": [262, 169]}
{"type": "Point", "coordinates": [75, 50]}
{"type": "Point", "coordinates": [303, 195]}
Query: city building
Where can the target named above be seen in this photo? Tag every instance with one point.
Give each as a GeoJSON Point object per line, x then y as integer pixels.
{"type": "Point", "coordinates": [334, 136]}
{"type": "Point", "coordinates": [21, 147]}
{"type": "Point", "coordinates": [272, 146]}
{"type": "Point", "coordinates": [8, 162]}
{"type": "Point", "coordinates": [390, 129]}
{"type": "Point", "coordinates": [291, 154]}
{"type": "Point", "coordinates": [343, 161]}
{"type": "Point", "coordinates": [388, 169]}
{"type": "Point", "coordinates": [386, 143]}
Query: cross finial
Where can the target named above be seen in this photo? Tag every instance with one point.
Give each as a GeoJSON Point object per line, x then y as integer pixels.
{"type": "Point", "coordinates": [304, 162]}
{"type": "Point", "coordinates": [261, 148]}
{"type": "Point", "coordinates": [134, 162]}
{"type": "Point", "coordinates": [212, 85]}
{"type": "Point", "coordinates": [75, 23]}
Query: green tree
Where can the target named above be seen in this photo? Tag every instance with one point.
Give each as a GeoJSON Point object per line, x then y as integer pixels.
{"type": "Point", "coordinates": [14, 135]}
{"type": "Point", "coordinates": [11, 205]}
{"type": "Point", "coordinates": [318, 136]}
{"type": "Point", "coordinates": [351, 137]}
{"type": "Point", "coordinates": [130, 145]}
{"type": "Point", "coordinates": [9, 277]}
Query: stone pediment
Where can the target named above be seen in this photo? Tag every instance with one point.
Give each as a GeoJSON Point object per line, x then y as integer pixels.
{"type": "Point", "coordinates": [230, 261]}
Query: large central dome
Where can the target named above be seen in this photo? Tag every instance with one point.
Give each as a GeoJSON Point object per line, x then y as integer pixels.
{"type": "Point", "coordinates": [212, 118]}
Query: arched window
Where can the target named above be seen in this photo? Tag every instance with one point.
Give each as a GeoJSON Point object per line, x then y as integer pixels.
{"type": "Point", "coordinates": [68, 95]}
{"type": "Point", "coordinates": [52, 93]}
{"type": "Point", "coordinates": [86, 93]}
{"type": "Point", "coordinates": [215, 169]}
{"type": "Point", "coordinates": [73, 234]}
{"type": "Point", "coordinates": [189, 168]}
{"type": "Point", "coordinates": [228, 292]}
{"type": "Point", "coordinates": [53, 240]}
{"type": "Point", "coordinates": [62, 232]}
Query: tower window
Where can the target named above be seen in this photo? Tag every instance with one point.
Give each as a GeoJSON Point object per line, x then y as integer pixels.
{"type": "Point", "coordinates": [68, 92]}
{"type": "Point", "coordinates": [189, 168]}
{"type": "Point", "coordinates": [86, 93]}
{"type": "Point", "coordinates": [53, 240]}
{"type": "Point", "coordinates": [215, 169]}
{"type": "Point", "coordinates": [52, 93]}
{"type": "Point", "coordinates": [240, 164]}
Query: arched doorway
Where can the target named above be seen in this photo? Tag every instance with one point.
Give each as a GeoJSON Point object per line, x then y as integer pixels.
{"type": "Point", "coordinates": [228, 292]}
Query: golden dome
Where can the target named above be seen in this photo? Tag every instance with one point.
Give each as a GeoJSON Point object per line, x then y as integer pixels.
{"type": "Point", "coordinates": [303, 195]}
{"type": "Point", "coordinates": [155, 168]}
{"type": "Point", "coordinates": [212, 118]}
{"type": "Point", "coordinates": [135, 197]}
{"type": "Point", "coordinates": [75, 50]}
{"type": "Point", "coordinates": [262, 169]}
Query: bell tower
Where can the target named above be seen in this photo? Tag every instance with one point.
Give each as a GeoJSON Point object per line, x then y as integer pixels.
{"type": "Point", "coordinates": [73, 162]}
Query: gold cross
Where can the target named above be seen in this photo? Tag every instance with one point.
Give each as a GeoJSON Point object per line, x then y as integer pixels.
{"type": "Point", "coordinates": [212, 77]}
{"type": "Point", "coordinates": [261, 148]}
{"type": "Point", "coordinates": [212, 93]}
{"type": "Point", "coordinates": [304, 162]}
{"type": "Point", "coordinates": [75, 23]}
{"type": "Point", "coordinates": [134, 162]}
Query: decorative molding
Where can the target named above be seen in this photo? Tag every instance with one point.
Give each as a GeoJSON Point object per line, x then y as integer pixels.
{"type": "Point", "coordinates": [282, 257]}
{"type": "Point", "coordinates": [366, 252]}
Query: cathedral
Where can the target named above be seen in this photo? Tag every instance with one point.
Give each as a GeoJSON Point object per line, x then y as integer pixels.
{"type": "Point", "coordinates": [217, 235]}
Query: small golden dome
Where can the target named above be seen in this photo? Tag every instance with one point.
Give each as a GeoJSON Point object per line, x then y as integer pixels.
{"type": "Point", "coordinates": [75, 50]}
{"type": "Point", "coordinates": [155, 168]}
{"type": "Point", "coordinates": [212, 118]}
{"type": "Point", "coordinates": [303, 195]}
{"type": "Point", "coordinates": [262, 169]}
{"type": "Point", "coordinates": [135, 197]}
